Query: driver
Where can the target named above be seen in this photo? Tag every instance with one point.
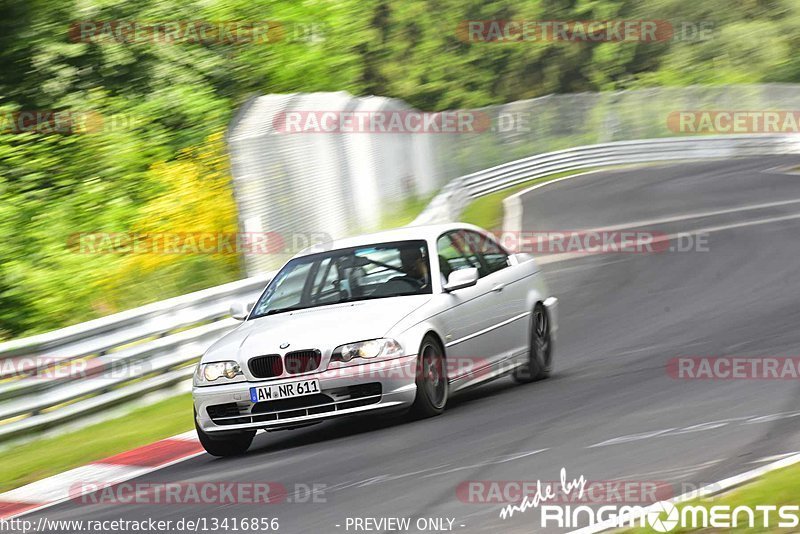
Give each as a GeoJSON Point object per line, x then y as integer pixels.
{"type": "Point", "coordinates": [414, 266]}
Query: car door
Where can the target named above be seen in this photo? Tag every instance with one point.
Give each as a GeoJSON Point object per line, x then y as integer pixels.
{"type": "Point", "coordinates": [468, 321]}
{"type": "Point", "coordinates": [505, 301]}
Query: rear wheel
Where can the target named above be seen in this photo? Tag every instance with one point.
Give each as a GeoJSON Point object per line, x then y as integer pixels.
{"type": "Point", "coordinates": [432, 386]}
{"type": "Point", "coordinates": [225, 443]}
{"type": "Point", "coordinates": [540, 352]}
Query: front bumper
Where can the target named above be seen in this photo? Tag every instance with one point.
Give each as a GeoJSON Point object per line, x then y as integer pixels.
{"type": "Point", "coordinates": [395, 377]}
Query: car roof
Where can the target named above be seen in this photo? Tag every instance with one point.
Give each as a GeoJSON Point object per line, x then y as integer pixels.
{"type": "Point", "coordinates": [427, 232]}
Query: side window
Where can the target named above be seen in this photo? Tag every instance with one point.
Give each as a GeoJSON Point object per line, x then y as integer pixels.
{"type": "Point", "coordinates": [491, 256]}
{"type": "Point", "coordinates": [454, 254]}
{"type": "Point", "coordinates": [461, 242]}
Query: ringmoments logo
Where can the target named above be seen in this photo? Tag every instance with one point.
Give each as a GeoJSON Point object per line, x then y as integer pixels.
{"type": "Point", "coordinates": [662, 516]}
{"type": "Point", "coordinates": [665, 517]}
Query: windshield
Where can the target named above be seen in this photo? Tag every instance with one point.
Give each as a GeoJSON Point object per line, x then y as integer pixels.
{"type": "Point", "coordinates": [348, 275]}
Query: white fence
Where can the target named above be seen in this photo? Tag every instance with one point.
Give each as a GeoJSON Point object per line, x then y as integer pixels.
{"type": "Point", "coordinates": [334, 184]}
{"type": "Point", "coordinates": [302, 187]}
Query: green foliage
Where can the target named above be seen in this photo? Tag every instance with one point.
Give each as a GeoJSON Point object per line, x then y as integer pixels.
{"type": "Point", "coordinates": [404, 212]}
{"type": "Point", "coordinates": [164, 105]}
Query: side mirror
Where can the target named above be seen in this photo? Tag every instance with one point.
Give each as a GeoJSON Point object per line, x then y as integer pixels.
{"type": "Point", "coordinates": [461, 278]}
{"type": "Point", "coordinates": [240, 310]}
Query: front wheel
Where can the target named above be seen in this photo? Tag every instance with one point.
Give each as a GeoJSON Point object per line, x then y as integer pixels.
{"type": "Point", "coordinates": [224, 443]}
{"type": "Point", "coordinates": [432, 386]}
{"type": "Point", "coordinates": [540, 352]}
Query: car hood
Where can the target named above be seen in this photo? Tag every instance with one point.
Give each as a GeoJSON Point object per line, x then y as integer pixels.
{"type": "Point", "coordinates": [323, 328]}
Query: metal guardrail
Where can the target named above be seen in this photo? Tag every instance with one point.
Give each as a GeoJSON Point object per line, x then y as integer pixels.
{"type": "Point", "coordinates": [154, 346]}
{"type": "Point", "coordinates": [61, 375]}
{"type": "Point", "coordinates": [454, 197]}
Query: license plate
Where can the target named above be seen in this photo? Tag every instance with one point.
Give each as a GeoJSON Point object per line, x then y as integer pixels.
{"type": "Point", "coordinates": [284, 391]}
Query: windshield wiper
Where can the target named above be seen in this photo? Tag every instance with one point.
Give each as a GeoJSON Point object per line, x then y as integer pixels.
{"type": "Point", "coordinates": [282, 310]}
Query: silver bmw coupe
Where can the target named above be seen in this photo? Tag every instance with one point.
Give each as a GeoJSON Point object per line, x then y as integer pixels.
{"type": "Point", "coordinates": [401, 320]}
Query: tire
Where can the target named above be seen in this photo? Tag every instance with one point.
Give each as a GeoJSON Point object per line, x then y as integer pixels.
{"type": "Point", "coordinates": [225, 443]}
{"type": "Point", "coordinates": [540, 350]}
{"type": "Point", "coordinates": [431, 378]}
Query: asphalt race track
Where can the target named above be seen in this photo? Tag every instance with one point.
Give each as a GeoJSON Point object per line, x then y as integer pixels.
{"type": "Point", "coordinates": [611, 411]}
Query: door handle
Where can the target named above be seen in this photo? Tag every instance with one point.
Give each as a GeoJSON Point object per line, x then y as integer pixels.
{"type": "Point", "coordinates": [498, 287]}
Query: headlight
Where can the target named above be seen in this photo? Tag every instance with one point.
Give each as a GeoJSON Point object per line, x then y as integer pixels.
{"type": "Point", "coordinates": [209, 372]}
{"type": "Point", "coordinates": [374, 348]}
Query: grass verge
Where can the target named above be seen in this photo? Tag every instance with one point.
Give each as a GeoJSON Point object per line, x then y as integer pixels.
{"type": "Point", "coordinates": [401, 213]}
{"type": "Point", "coordinates": [487, 211]}
{"type": "Point", "coordinates": [39, 459]}
{"type": "Point", "coordinates": [777, 488]}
